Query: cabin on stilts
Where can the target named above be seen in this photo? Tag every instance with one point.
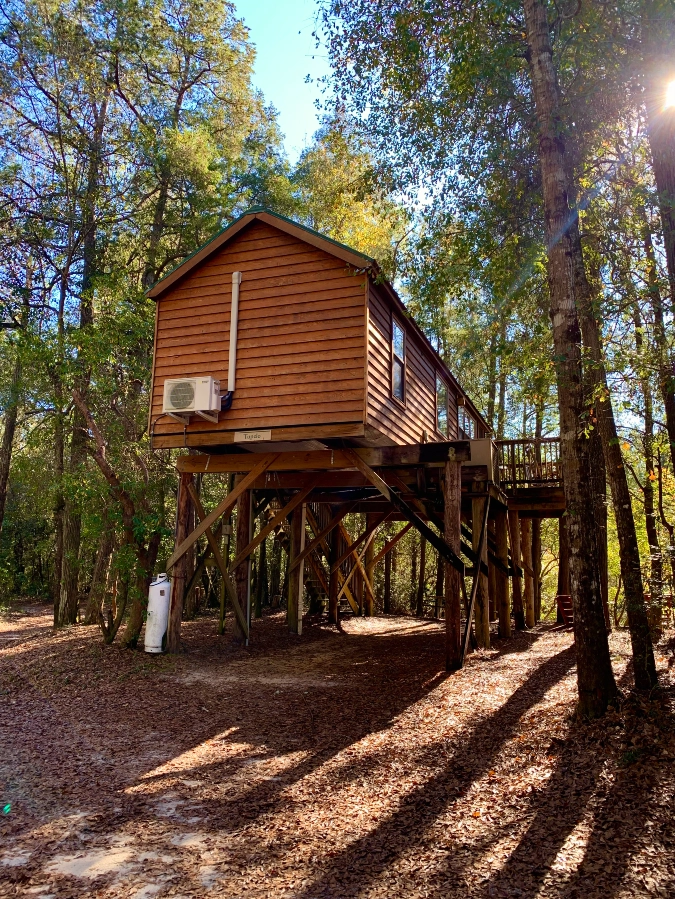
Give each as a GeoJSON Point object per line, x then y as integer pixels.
{"type": "Point", "coordinates": [286, 360]}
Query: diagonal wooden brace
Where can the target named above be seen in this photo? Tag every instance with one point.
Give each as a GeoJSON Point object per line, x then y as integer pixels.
{"type": "Point", "coordinates": [358, 564]}
{"type": "Point", "coordinates": [366, 534]}
{"type": "Point", "coordinates": [296, 500]}
{"type": "Point", "coordinates": [223, 507]}
{"type": "Point", "coordinates": [322, 541]}
{"type": "Point", "coordinates": [220, 562]}
{"type": "Point", "coordinates": [392, 543]}
{"type": "Point", "coordinates": [319, 539]}
{"type": "Point", "coordinates": [399, 503]}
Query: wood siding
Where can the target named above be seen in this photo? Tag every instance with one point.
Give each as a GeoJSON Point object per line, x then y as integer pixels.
{"type": "Point", "coordinates": [300, 348]}
{"type": "Point", "coordinates": [387, 415]}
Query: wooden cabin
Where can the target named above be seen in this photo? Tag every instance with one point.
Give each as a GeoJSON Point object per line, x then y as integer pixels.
{"type": "Point", "coordinates": [276, 339]}
{"type": "Point", "coordinates": [323, 350]}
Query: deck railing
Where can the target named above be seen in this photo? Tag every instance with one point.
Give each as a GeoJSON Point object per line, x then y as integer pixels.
{"type": "Point", "coordinates": [528, 462]}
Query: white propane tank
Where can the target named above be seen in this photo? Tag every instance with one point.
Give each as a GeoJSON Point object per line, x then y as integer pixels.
{"type": "Point", "coordinates": [158, 614]}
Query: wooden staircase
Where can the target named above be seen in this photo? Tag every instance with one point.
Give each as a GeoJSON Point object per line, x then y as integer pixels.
{"type": "Point", "coordinates": [565, 609]}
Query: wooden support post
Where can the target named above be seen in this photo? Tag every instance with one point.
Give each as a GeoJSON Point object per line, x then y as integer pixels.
{"type": "Point", "coordinates": [514, 532]}
{"type": "Point", "coordinates": [536, 567]}
{"type": "Point", "coordinates": [183, 509]}
{"type": "Point", "coordinates": [526, 549]}
{"type": "Point", "coordinates": [334, 583]}
{"type": "Point", "coordinates": [452, 502]}
{"type": "Point", "coordinates": [386, 600]}
{"type": "Point", "coordinates": [492, 589]}
{"type": "Point", "coordinates": [372, 521]}
{"type": "Point", "coordinates": [242, 574]}
{"type": "Point", "coordinates": [295, 574]}
{"type": "Point", "coordinates": [503, 609]}
{"type": "Point", "coordinates": [482, 610]}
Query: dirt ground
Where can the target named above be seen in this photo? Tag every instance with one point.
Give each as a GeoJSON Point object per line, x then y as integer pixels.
{"type": "Point", "coordinates": [342, 763]}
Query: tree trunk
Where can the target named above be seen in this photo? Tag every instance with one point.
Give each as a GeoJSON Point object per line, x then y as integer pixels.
{"type": "Point", "coordinates": [655, 557]}
{"type": "Point", "coordinates": [666, 367]}
{"type": "Point", "coordinates": [369, 567]}
{"type": "Point", "coordinates": [295, 577]}
{"type": "Point", "coordinates": [11, 414]}
{"type": "Point", "coordinates": [261, 583]}
{"type": "Point", "coordinates": [387, 582]}
{"type": "Point", "coordinates": [629, 551]}
{"type": "Point", "coordinates": [536, 566]}
{"type": "Point", "coordinates": [517, 583]}
{"type": "Point", "coordinates": [658, 40]}
{"type": "Point", "coordinates": [563, 558]}
{"type": "Point", "coordinates": [503, 610]}
{"type": "Point", "coordinates": [100, 575]}
{"type": "Point", "coordinates": [146, 559]}
{"type": "Point", "coordinates": [595, 678]}
{"type": "Point", "coordinates": [242, 574]}
{"type": "Point", "coordinates": [526, 548]}
{"type": "Point", "coordinates": [492, 381]}
{"type": "Point", "coordinates": [419, 606]}
{"type": "Point", "coordinates": [183, 505]}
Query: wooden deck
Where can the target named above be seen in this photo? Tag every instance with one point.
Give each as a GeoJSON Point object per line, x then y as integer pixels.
{"type": "Point", "coordinates": [529, 473]}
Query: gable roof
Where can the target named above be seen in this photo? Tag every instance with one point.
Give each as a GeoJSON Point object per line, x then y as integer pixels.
{"type": "Point", "coordinates": [359, 261]}
{"type": "Point", "coordinates": [302, 232]}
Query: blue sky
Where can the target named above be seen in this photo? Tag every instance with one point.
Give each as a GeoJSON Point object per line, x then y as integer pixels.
{"type": "Point", "coordinates": [282, 33]}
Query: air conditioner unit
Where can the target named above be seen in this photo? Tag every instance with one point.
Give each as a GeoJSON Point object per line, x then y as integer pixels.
{"type": "Point", "coordinates": [184, 397]}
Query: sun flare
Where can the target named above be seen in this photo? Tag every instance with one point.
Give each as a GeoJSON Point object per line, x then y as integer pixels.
{"type": "Point", "coordinates": [670, 95]}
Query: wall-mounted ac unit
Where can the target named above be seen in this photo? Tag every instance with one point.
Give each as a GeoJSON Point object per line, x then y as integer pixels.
{"type": "Point", "coordinates": [184, 397]}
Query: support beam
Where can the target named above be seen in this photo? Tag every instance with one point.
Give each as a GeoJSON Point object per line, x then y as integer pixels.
{"type": "Point", "coordinates": [203, 559]}
{"type": "Point", "coordinates": [366, 581]}
{"type": "Point", "coordinates": [480, 550]}
{"type": "Point", "coordinates": [479, 507]}
{"type": "Point", "coordinates": [242, 574]}
{"type": "Point", "coordinates": [295, 575]}
{"type": "Point", "coordinates": [526, 550]}
{"type": "Point", "coordinates": [214, 546]}
{"type": "Point", "coordinates": [315, 528]}
{"type": "Point", "coordinates": [452, 502]}
{"type": "Point", "coordinates": [492, 589]}
{"type": "Point", "coordinates": [398, 503]}
{"type": "Point", "coordinates": [223, 507]}
{"type": "Point", "coordinates": [358, 565]}
{"type": "Point", "coordinates": [319, 539]}
{"type": "Point", "coordinates": [503, 609]}
{"type": "Point", "coordinates": [370, 528]}
{"type": "Point", "coordinates": [434, 454]}
{"type": "Point", "coordinates": [334, 585]}
{"type": "Point", "coordinates": [392, 543]}
{"type": "Point", "coordinates": [183, 507]}
{"type": "Point", "coordinates": [372, 522]}
{"type": "Point", "coordinates": [272, 524]}
{"type": "Point", "coordinates": [516, 582]}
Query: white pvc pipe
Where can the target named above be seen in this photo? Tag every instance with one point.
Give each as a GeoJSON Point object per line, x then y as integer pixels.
{"type": "Point", "coordinates": [234, 321]}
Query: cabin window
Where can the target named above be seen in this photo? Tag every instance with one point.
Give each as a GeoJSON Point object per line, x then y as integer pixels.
{"type": "Point", "coordinates": [467, 424]}
{"type": "Point", "coordinates": [398, 361]}
{"type": "Point", "coordinates": [441, 406]}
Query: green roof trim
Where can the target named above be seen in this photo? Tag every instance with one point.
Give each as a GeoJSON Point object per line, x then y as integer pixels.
{"type": "Point", "coordinates": [270, 212]}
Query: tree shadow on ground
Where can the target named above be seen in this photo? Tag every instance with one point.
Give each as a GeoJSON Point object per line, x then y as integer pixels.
{"type": "Point", "coordinates": [363, 860]}
{"type": "Point", "coordinates": [579, 789]}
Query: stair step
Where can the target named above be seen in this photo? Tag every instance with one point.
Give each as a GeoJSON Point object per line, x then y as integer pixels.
{"type": "Point", "coordinates": [566, 609]}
